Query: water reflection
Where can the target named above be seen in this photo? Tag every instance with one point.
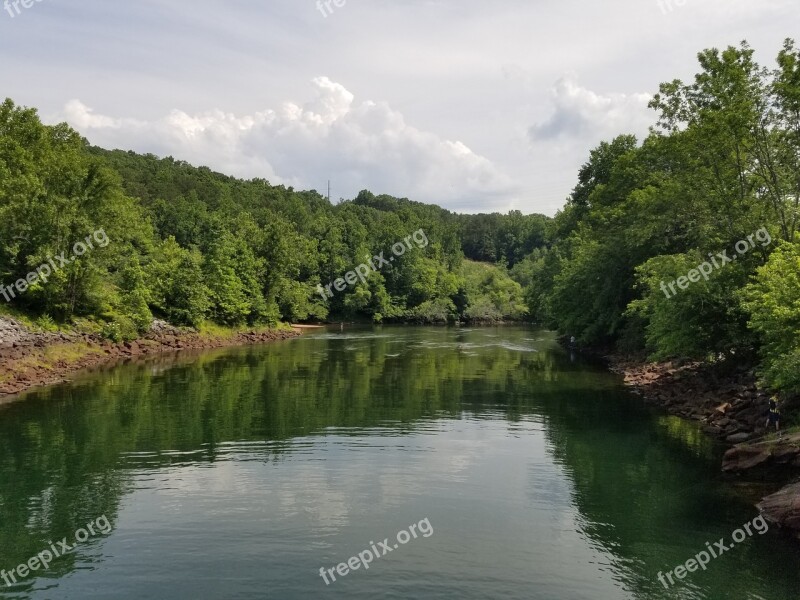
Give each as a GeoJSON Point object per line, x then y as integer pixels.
{"type": "Point", "coordinates": [546, 479]}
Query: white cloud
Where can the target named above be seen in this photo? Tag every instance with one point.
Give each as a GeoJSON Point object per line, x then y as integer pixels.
{"type": "Point", "coordinates": [358, 145]}
{"type": "Point", "coordinates": [573, 121]}
{"type": "Point", "coordinates": [419, 56]}
{"type": "Point", "coordinates": [582, 114]}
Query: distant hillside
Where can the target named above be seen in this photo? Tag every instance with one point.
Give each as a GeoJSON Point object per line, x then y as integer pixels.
{"type": "Point", "coordinates": [162, 238]}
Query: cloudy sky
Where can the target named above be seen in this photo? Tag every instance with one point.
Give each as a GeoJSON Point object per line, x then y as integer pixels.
{"type": "Point", "coordinates": [476, 106]}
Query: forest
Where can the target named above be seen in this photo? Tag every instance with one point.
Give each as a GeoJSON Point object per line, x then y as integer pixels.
{"type": "Point", "coordinates": [718, 173]}
{"type": "Point", "coordinates": [191, 246]}
{"type": "Point", "coordinates": [720, 168]}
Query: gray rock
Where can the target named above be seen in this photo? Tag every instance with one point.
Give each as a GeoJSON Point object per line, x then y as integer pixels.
{"type": "Point", "coordinates": [738, 438]}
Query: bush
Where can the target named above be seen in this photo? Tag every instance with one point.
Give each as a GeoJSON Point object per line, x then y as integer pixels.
{"type": "Point", "coordinates": [772, 300]}
{"type": "Point", "coordinates": [46, 323]}
{"type": "Point", "coordinates": [434, 311]}
{"type": "Point", "coordinates": [491, 294]}
{"type": "Point", "coordinates": [120, 329]}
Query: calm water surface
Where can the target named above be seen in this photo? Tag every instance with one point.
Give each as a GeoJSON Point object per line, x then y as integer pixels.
{"type": "Point", "coordinates": [238, 474]}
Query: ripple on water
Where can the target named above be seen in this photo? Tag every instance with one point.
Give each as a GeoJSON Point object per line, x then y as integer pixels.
{"type": "Point", "coordinates": [349, 336]}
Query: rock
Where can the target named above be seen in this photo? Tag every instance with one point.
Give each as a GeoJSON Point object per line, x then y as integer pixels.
{"type": "Point", "coordinates": [772, 453]}
{"type": "Point", "coordinates": [732, 429]}
{"type": "Point", "coordinates": [783, 508]}
{"type": "Point", "coordinates": [738, 438]}
{"type": "Point", "coordinates": [785, 454]}
{"type": "Point", "coordinates": [744, 458]}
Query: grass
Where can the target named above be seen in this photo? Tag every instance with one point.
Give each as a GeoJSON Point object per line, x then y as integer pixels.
{"type": "Point", "coordinates": [45, 323]}
{"type": "Point", "coordinates": [790, 431]}
{"type": "Point", "coordinates": [6, 310]}
{"type": "Point", "coordinates": [63, 355]}
{"type": "Point", "coordinates": [771, 437]}
{"type": "Point", "coordinates": [212, 330]}
{"type": "Point", "coordinates": [69, 353]}
{"type": "Point", "coordinates": [50, 357]}
{"type": "Point", "coordinates": [84, 325]}
{"type": "Point", "coordinates": [60, 355]}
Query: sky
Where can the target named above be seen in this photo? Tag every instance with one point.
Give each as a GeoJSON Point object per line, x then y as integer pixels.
{"type": "Point", "coordinates": [475, 106]}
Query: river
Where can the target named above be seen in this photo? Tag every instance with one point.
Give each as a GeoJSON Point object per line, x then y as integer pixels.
{"type": "Point", "coordinates": [258, 472]}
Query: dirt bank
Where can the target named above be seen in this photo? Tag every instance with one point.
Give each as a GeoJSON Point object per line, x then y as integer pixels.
{"type": "Point", "coordinates": [30, 359]}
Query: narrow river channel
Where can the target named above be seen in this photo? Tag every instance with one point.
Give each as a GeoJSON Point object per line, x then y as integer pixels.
{"type": "Point", "coordinates": [258, 472]}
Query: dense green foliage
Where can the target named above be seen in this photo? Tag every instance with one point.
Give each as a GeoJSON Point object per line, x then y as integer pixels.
{"type": "Point", "coordinates": [189, 245]}
{"type": "Point", "coordinates": [721, 168]}
{"type": "Point", "coordinates": [644, 255]}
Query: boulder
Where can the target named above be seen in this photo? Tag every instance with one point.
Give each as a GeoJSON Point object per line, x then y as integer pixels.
{"type": "Point", "coordinates": [785, 454]}
{"type": "Point", "coordinates": [783, 508]}
{"type": "Point", "coordinates": [744, 458]}
{"type": "Point", "coordinates": [712, 430]}
{"type": "Point", "coordinates": [738, 438]}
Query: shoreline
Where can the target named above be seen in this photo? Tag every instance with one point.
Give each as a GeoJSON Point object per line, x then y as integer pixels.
{"type": "Point", "coordinates": [728, 403]}
{"type": "Point", "coordinates": [732, 410]}
{"type": "Point", "coordinates": [30, 360]}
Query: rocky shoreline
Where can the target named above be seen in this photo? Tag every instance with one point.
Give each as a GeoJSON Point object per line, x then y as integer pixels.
{"type": "Point", "coordinates": [733, 410]}
{"type": "Point", "coordinates": [727, 402]}
{"type": "Point", "coordinates": [31, 359]}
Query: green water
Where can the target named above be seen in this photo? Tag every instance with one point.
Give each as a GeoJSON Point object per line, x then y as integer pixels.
{"type": "Point", "coordinates": [238, 474]}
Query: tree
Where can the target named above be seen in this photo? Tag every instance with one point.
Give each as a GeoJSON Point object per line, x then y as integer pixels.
{"type": "Point", "coordinates": [772, 300]}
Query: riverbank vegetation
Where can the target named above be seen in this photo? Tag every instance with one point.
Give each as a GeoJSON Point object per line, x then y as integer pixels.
{"type": "Point", "coordinates": [722, 164]}
{"type": "Point", "coordinates": [627, 262]}
{"type": "Point", "coordinates": [196, 247]}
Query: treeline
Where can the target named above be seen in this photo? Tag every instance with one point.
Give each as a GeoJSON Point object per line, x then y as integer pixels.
{"type": "Point", "coordinates": [191, 246]}
{"type": "Point", "coordinates": [686, 245]}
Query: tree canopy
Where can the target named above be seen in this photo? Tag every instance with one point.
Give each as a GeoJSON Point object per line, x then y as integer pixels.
{"type": "Point", "coordinates": [189, 245]}
{"type": "Point", "coordinates": [684, 244]}
{"type": "Point", "coordinates": [718, 175]}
